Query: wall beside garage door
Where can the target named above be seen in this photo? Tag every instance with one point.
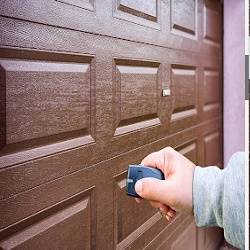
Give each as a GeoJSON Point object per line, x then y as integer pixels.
{"type": "Point", "coordinates": [234, 78]}
{"type": "Point", "coordinates": [81, 98]}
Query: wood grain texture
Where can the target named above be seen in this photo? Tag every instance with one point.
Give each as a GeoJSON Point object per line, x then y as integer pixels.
{"type": "Point", "coordinates": [45, 101]}
{"type": "Point", "coordinates": [140, 8]}
{"type": "Point", "coordinates": [189, 150]}
{"type": "Point", "coordinates": [84, 4]}
{"type": "Point", "coordinates": [212, 143]}
{"type": "Point", "coordinates": [144, 13]}
{"type": "Point", "coordinates": [184, 22]}
{"type": "Point", "coordinates": [102, 22]}
{"type": "Point", "coordinates": [187, 239]}
{"type": "Point", "coordinates": [136, 95]}
{"type": "Point", "coordinates": [81, 98]}
{"type": "Point", "coordinates": [131, 220]}
{"type": "Point", "coordinates": [185, 96]}
{"type": "Point", "coordinates": [57, 225]}
{"type": "Point", "coordinates": [212, 93]}
{"type": "Point", "coordinates": [211, 20]}
{"type": "Point", "coordinates": [33, 112]}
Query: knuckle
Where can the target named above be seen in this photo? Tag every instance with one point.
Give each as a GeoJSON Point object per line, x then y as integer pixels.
{"type": "Point", "coordinates": [169, 152]}
{"type": "Point", "coordinates": [169, 149]}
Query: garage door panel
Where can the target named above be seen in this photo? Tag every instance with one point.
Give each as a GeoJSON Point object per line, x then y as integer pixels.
{"type": "Point", "coordinates": [129, 215]}
{"type": "Point", "coordinates": [212, 93]}
{"type": "Point", "coordinates": [132, 220]}
{"type": "Point", "coordinates": [184, 85]}
{"type": "Point", "coordinates": [187, 239]}
{"type": "Point", "coordinates": [19, 178]}
{"type": "Point", "coordinates": [211, 28]}
{"type": "Point", "coordinates": [148, 8]}
{"type": "Point", "coordinates": [184, 24]}
{"type": "Point", "coordinates": [136, 95]}
{"type": "Point", "coordinates": [42, 107]}
{"type": "Point", "coordinates": [212, 142]}
{"type": "Point", "coordinates": [189, 150]}
{"type": "Point", "coordinates": [38, 94]}
{"type": "Point", "coordinates": [49, 194]}
{"type": "Point", "coordinates": [84, 4]}
{"type": "Point", "coordinates": [210, 238]}
{"type": "Point", "coordinates": [71, 222]}
{"type": "Point", "coordinates": [170, 236]}
{"type": "Point", "coordinates": [39, 198]}
{"type": "Point", "coordinates": [82, 85]}
{"type": "Point", "coordinates": [213, 236]}
{"type": "Point", "coordinates": [40, 37]}
{"type": "Point", "coordinates": [148, 22]}
{"type": "Point", "coordinates": [141, 12]}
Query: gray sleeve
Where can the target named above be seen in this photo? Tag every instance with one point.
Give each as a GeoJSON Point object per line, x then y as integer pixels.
{"type": "Point", "coordinates": [219, 198]}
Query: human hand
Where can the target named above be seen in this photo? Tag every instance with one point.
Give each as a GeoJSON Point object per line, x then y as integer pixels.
{"type": "Point", "coordinates": [175, 192]}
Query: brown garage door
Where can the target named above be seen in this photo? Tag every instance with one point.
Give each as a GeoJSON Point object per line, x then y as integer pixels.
{"type": "Point", "coordinates": [81, 98]}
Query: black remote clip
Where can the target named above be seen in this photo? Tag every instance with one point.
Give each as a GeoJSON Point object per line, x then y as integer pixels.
{"type": "Point", "coordinates": [137, 172]}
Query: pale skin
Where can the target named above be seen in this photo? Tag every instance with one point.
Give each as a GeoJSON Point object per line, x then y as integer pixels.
{"type": "Point", "coordinates": [174, 194]}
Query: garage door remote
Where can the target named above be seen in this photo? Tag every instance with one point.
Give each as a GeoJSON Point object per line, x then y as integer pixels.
{"type": "Point", "coordinates": [137, 172]}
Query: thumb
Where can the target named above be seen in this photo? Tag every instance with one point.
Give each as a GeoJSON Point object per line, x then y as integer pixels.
{"type": "Point", "coordinates": [153, 189]}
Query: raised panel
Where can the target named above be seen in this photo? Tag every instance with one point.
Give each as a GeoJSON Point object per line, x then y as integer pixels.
{"type": "Point", "coordinates": [186, 240]}
{"type": "Point", "coordinates": [143, 12]}
{"type": "Point", "coordinates": [212, 149]}
{"type": "Point", "coordinates": [45, 100]}
{"type": "Point", "coordinates": [140, 8]}
{"type": "Point", "coordinates": [131, 219]}
{"type": "Point", "coordinates": [169, 237]}
{"type": "Point", "coordinates": [211, 27]}
{"type": "Point", "coordinates": [135, 95]}
{"type": "Point", "coordinates": [189, 150]}
{"type": "Point", "coordinates": [84, 4]}
{"type": "Point", "coordinates": [184, 92]}
{"type": "Point", "coordinates": [211, 90]}
{"type": "Point", "coordinates": [184, 17]}
{"type": "Point", "coordinates": [68, 223]}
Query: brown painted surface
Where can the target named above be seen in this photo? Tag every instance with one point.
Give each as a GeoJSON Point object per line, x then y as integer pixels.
{"type": "Point", "coordinates": [81, 98]}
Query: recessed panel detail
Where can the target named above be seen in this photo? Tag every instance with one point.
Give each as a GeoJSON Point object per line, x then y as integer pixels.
{"type": "Point", "coordinates": [211, 90]}
{"type": "Point", "coordinates": [131, 220]}
{"type": "Point", "coordinates": [83, 4]}
{"type": "Point", "coordinates": [141, 8]}
{"type": "Point", "coordinates": [184, 17]}
{"type": "Point", "coordinates": [189, 150]}
{"type": "Point", "coordinates": [184, 89]}
{"type": "Point", "coordinates": [211, 22]}
{"type": "Point", "coordinates": [46, 101]}
{"type": "Point", "coordinates": [68, 224]}
{"type": "Point", "coordinates": [143, 12]}
{"type": "Point", "coordinates": [212, 149]}
{"type": "Point", "coordinates": [135, 96]}
{"type": "Point", "coordinates": [187, 239]}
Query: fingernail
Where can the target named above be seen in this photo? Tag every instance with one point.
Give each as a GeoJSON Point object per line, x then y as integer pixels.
{"type": "Point", "coordinates": [138, 187]}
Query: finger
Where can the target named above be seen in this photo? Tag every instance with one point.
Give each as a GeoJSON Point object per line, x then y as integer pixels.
{"type": "Point", "coordinates": [150, 160]}
{"type": "Point", "coordinates": [154, 160]}
{"type": "Point", "coordinates": [171, 213]}
{"type": "Point", "coordinates": [167, 217]}
{"type": "Point", "coordinates": [154, 189]}
{"type": "Point", "coordinates": [164, 208]}
{"type": "Point", "coordinates": [159, 159]}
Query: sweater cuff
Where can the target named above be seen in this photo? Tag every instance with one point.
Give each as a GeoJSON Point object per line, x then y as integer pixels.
{"type": "Point", "coordinates": [207, 196]}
